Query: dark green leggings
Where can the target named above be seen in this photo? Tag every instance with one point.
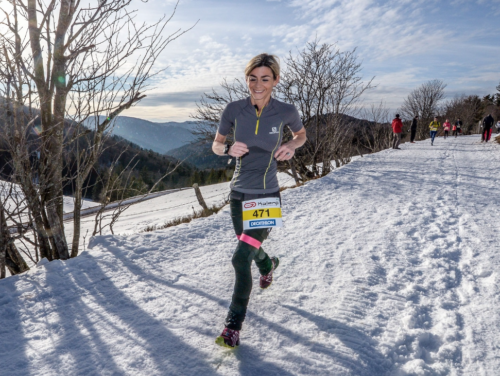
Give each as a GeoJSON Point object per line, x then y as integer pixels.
{"type": "Point", "coordinates": [243, 257]}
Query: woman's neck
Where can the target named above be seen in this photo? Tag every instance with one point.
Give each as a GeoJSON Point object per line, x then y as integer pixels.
{"type": "Point", "coordinates": [261, 103]}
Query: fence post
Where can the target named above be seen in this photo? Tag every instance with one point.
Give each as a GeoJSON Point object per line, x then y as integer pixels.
{"type": "Point", "coordinates": [200, 197]}
{"type": "Point", "coordinates": [294, 172]}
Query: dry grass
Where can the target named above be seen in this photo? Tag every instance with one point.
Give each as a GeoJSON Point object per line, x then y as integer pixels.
{"type": "Point", "coordinates": [187, 218]}
{"type": "Point", "coordinates": [285, 188]}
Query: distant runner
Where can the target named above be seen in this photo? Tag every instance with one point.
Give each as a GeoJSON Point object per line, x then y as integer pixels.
{"type": "Point", "coordinates": [457, 128]}
{"type": "Point", "coordinates": [397, 129]}
{"type": "Point", "coordinates": [434, 126]}
{"type": "Point", "coordinates": [257, 123]}
{"type": "Point", "coordinates": [498, 126]}
{"type": "Point", "coordinates": [446, 127]}
{"type": "Point", "coordinates": [413, 129]}
{"type": "Point", "coordinates": [487, 124]}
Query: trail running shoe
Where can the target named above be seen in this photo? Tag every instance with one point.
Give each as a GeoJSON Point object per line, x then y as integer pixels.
{"type": "Point", "coordinates": [266, 280]}
{"type": "Point", "coordinates": [229, 338]}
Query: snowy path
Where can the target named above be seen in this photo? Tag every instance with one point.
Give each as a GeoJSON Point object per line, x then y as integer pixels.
{"type": "Point", "coordinates": [389, 266]}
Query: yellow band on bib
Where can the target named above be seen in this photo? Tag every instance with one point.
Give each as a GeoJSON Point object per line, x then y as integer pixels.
{"type": "Point", "coordinates": [249, 215]}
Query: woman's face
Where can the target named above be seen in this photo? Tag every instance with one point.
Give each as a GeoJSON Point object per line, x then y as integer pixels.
{"type": "Point", "coordinates": [261, 82]}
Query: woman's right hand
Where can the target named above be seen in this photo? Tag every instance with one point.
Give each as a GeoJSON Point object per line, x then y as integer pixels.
{"type": "Point", "coordinates": [238, 149]}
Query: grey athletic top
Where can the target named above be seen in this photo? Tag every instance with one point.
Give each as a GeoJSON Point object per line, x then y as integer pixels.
{"type": "Point", "coordinates": [256, 171]}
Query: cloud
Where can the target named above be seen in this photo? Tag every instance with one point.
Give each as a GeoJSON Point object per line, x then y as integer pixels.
{"type": "Point", "coordinates": [176, 99]}
{"type": "Point", "coordinates": [163, 113]}
{"type": "Point", "coordinates": [492, 4]}
{"type": "Point", "coordinates": [380, 29]}
{"type": "Point", "coordinates": [292, 35]}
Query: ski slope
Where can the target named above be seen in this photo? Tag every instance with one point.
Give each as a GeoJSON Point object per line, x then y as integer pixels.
{"type": "Point", "coordinates": [388, 266]}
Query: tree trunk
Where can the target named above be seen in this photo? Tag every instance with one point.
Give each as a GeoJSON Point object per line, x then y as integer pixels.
{"type": "Point", "coordinates": [43, 238]}
{"type": "Point", "coordinates": [294, 172]}
{"type": "Point", "coordinates": [9, 255]}
{"type": "Point", "coordinates": [76, 218]}
{"type": "Point", "coordinates": [59, 239]}
{"type": "Point", "coordinates": [14, 260]}
{"type": "Point", "coordinates": [3, 252]}
{"type": "Point", "coordinates": [200, 197]}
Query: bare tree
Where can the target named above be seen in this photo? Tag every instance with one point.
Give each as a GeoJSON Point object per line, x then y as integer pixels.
{"type": "Point", "coordinates": [376, 135]}
{"type": "Point", "coordinates": [123, 190]}
{"type": "Point", "coordinates": [209, 109]}
{"type": "Point", "coordinates": [424, 101]}
{"type": "Point", "coordinates": [63, 62]}
{"type": "Point", "coordinates": [325, 85]}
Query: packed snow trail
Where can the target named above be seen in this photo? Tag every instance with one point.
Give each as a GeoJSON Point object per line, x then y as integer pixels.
{"type": "Point", "coordinates": [388, 266]}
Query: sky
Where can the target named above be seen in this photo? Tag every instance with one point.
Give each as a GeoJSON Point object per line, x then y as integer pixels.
{"type": "Point", "coordinates": [401, 44]}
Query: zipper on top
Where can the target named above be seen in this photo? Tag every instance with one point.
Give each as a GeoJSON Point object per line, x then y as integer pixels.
{"type": "Point", "coordinates": [258, 119]}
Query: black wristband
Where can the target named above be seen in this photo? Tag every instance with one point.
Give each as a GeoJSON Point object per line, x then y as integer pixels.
{"type": "Point", "coordinates": [226, 149]}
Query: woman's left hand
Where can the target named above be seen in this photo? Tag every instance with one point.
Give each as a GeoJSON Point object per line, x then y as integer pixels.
{"type": "Point", "coordinates": [284, 153]}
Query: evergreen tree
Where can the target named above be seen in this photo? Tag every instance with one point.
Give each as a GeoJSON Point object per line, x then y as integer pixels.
{"type": "Point", "coordinates": [497, 96]}
{"type": "Point", "coordinates": [145, 175]}
{"type": "Point", "coordinates": [212, 177]}
{"type": "Point", "coordinates": [202, 178]}
{"type": "Point", "coordinates": [195, 178]}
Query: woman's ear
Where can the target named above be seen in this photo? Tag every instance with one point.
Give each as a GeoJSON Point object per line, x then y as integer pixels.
{"type": "Point", "coordinates": [277, 81]}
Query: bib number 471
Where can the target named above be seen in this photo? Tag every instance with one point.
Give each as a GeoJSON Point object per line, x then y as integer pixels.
{"type": "Point", "coordinates": [261, 213]}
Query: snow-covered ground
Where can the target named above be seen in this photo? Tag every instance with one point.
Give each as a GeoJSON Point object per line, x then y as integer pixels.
{"type": "Point", "coordinates": [11, 198]}
{"type": "Point", "coordinates": [69, 203]}
{"type": "Point", "coordinates": [389, 266]}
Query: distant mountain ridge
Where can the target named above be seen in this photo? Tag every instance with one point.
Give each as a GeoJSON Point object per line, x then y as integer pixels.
{"type": "Point", "coordinates": [159, 137]}
{"type": "Point", "coordinates": [200, 155]}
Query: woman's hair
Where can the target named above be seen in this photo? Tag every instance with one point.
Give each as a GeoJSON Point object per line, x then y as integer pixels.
{"type": "Point", "coordinates": [264, 60]}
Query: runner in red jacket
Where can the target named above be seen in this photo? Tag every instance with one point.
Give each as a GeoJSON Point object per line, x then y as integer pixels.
{"type": "Point", "coordinates": [397, 128]}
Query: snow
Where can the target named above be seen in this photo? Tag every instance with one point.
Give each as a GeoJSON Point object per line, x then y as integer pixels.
{"type": "Point", "coordinates": [69, 203]}
{"type": "Point", "coordinates": [16, 197]}
{"type": "Point", "coordinates": [388, 266]}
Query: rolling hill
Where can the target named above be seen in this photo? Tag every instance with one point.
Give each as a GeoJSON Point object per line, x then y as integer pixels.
{"type": "Point", "coordinates": [159, 137]}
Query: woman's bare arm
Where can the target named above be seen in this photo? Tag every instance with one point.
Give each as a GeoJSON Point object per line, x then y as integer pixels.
{"type": "Point", "coordinates": [286, 151]}
{"type": "Point", "coordinates": [238, 149]}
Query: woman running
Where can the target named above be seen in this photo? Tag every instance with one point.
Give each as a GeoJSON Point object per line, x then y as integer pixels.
{"type": "Point", "coordinates": [257, 123]}
{"type": "Point", "coordinates": [457, 128]}
{"type": "Point", "coordinates": [434, 126]}
{"type": "Point", "coordinates": [446, 127]}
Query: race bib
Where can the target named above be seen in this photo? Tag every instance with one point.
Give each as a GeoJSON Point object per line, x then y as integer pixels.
{"type": "Point", "coordinates": [262, 213]}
